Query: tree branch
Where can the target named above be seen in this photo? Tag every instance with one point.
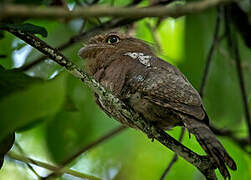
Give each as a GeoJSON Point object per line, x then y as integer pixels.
{"type": "Point", "coordinates": [20, 149]}
{"type": "Point", "coordinates": [119, 110]}
{"type": "Point", "coordinates": [175, 157]}
{"type": "Point", "coordinates": [114, 23]}
{"type": "Point", "coordinates": [9, 11]}
{"type": "Point", "coordinates": [234, 51]}
{"type": "Point", "coordinates": [210, 53]}
{"type": "Point", "coordinates": [242, 86]}
{"type": "Point", "coordinates": [242, 142]}
{"type": "Point", "coordinates": [49, 166]}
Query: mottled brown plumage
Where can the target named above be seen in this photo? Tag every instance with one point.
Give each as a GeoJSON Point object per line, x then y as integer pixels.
{"type": "Point", "coordinates": [153, 88]}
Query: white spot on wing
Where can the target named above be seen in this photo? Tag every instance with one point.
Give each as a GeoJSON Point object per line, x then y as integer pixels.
{"type": "Point", "coordinates": [143, 59]}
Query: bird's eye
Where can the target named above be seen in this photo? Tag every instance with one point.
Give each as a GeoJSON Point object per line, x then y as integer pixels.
{"type": "Point", "coordinates": [112, 39]}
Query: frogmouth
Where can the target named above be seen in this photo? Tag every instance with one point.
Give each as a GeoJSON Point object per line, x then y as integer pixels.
{"type": "Point", "coordinates": [152, 87]}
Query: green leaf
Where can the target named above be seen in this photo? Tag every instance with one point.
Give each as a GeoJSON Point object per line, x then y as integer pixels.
{"type": "Point", "coordinates": [6, 50]}
{"type": "Point", "coordinates": [11, 81]}
{"type": "Point", "coordinates": [39, 99]}
{"type": "Point", "coordinates": [26, 27]}
{"type": "Point", "coordinates": [170, 34]}
{"type": "Point", "coordinates": [69, 130]}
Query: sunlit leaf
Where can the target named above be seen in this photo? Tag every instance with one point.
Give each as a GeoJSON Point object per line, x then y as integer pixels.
{"type": "Point", "coordinates": [170, 34]}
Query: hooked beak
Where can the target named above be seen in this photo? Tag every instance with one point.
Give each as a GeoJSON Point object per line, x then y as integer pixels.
{"type": "Point", "coordinates": [85, 51]}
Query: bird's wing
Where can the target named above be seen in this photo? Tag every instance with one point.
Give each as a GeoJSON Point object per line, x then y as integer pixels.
{"type": "Point", "coordinates": [166, 86]}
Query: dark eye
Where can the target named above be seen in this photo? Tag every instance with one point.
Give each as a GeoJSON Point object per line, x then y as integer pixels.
{"type": "Point", "coordinates": [112, 39]}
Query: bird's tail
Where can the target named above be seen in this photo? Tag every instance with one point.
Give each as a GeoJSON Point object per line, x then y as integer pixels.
{"type": "Point", "coordinates": [211, 145]}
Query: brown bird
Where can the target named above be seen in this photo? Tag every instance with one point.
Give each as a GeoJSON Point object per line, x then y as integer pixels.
{"type": "Point", "coordinates": [155, 89]}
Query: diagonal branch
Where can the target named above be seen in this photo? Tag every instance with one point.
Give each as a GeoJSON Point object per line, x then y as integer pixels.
{"type": "Point", "coordinates": [49, 166]}
{"type": "Point", "coordinates": [20, 149]}
{"type": "Point", "coordinates": [175, 157]}
{"type": "Point", "coordinates": [84, 149]}
{"type": "Point", "coordinates": [119, 110]}
{"type": "Point", "coordinates": [210, 53]}
{"type": "Point", "coordinates": [21, 11]}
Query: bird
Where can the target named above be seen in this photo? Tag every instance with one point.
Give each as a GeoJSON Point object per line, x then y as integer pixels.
{"type": "Point", "coordinates": [155, 89]}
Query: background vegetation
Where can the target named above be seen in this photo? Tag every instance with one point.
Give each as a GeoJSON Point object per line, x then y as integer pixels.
{"type": "Point", "coordinates": [54, 115]}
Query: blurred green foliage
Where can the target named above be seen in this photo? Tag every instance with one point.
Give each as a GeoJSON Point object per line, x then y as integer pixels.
{"type": "Point", "coordinates": [57, 116]}
{"type": "Point", "coordinates": [28, 100]}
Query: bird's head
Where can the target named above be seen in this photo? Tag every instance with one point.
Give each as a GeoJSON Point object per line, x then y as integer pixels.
{"type": "Point", "coordinates": [112, 43]}
{"type": "Point", "coordinates": [103, 49]}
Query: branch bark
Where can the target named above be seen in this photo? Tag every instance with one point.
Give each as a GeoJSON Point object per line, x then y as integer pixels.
{"type": "Point", "coordinates": [175, 157]}
{"type": "Point", "coordinates": [119, 109]}
{"type": "Point", "coordinates": [9, 11]}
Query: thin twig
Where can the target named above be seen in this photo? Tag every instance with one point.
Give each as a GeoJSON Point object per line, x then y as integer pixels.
{"type": "Point", "coordinates": [20, 149]}
{"type": "Point", "coordinates": [49, 166]}
{"type": "Point", "coordinates": [21, 11]}
{"type": "Point", "coordinates": [234, 51]}
{"type": "Point", "coordinates": [85, 20]}
{"type": "Point", "coordinates": [241, 142]}
{"type": "Point", "coordinates": [242, 86]}
{"type": "Point", "coordinates": [246, 65]}
{"type": "Point", "coordinates": [114, 23]}
{"type": "Point", "coordinates": [110, 134]}
{"type": "Point", "coordinates": [175, 157]}
{"type": "Point", "coordinates": [210, 53]}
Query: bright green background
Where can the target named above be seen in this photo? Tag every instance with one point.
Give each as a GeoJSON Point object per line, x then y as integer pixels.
{"type": "Point", "coordinates": [57, 117]}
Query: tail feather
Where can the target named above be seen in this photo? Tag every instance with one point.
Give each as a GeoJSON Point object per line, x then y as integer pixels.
{"type": "Point", "coordinates": [211, 145]}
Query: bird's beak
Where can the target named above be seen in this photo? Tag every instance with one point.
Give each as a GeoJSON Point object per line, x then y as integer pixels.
{"type": "Point", "coordinates": [84, 51]}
